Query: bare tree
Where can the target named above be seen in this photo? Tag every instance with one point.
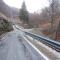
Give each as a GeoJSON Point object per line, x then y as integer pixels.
{"type": "Point", "coordinates": [58, 31]}
{"type": "Point", "coordinates": [54, 7]}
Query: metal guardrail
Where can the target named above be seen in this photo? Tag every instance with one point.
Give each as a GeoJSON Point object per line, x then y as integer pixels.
{"type": "Point", "coordinates": [51, 43]}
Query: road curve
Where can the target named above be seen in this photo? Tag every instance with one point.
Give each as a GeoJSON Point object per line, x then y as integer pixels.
{"type": "Point", "coordinates": [14, 47]}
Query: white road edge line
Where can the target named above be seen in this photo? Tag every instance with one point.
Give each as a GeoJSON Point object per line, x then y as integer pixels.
{"type": "Point", "coordinates": [46, 58]}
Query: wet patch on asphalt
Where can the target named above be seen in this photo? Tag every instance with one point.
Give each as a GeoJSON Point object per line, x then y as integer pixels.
{"type": "Point", "coordinates": [26, 51]}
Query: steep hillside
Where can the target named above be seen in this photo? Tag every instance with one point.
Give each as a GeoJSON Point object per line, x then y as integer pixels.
{"type": "Point", "coordinates": [11, 12]}
{"type": "Point", "coordinates": [7, 10]}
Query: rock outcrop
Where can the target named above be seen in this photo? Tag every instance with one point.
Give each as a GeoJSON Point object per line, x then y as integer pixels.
{"type": "Point", "coordinates": [5, 26]}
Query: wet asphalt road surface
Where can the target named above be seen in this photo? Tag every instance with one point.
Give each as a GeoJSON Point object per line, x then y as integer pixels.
{"type": "Point", "coordinates": [14, 47]}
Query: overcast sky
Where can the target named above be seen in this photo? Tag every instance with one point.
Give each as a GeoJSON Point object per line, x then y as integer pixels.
{"type": "Point", "coordinates": [32, 5]}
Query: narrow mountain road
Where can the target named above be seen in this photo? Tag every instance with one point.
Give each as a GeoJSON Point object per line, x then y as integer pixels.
{"type": "Point", "coordinates": [12, 48]}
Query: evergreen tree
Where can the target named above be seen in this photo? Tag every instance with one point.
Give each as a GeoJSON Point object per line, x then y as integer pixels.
{"type": "Point", "coordinates": [24, 13]}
